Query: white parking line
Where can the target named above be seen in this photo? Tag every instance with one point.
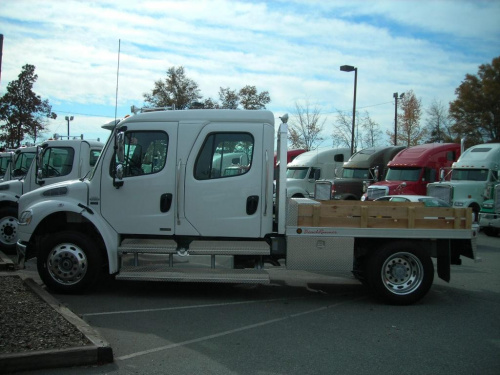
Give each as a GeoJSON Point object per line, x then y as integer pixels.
{"type": "Point", "coordinates": [225, 333]}
{"type": "Point", "coordinates": [188, 307]}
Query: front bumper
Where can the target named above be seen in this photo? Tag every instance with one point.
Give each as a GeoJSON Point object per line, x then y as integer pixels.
{"type": "Point", "coordinates": [489, 220]}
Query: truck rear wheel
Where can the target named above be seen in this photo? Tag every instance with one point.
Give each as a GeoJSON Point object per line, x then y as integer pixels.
{"type": "Point", "coordinates": [69, 262]}
{"type": "Point", "coordinates": [492, 232]}
{"type": "Point", "coordinates": [8, 229]}
{"type": "Point", "coordinates": [400, 273]}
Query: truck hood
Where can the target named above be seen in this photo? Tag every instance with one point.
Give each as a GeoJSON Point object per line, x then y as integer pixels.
{"type": "Point", "coordinates": [61, 191]}
{"type": "Point", "coordinates": [11, 188]}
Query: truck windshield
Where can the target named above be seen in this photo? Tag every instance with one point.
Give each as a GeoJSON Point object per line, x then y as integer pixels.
{"type": "Point", "coordinates": [403, 174]}
{"type": "Point", "coordinates": [22, 163]}
{"type": "Point", "coordinates": [4, 163]}
{"type": "Point", "coordinates": [298, 173]}
{"type": "Point", "coordinates": [356, 173]}
{"type": "Point", "coordinates": [469, 175]}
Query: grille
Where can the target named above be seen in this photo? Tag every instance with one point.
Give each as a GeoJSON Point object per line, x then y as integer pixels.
{"type": "Point", "coordinates": [440, 191]}
{"type": "Point", "coordinates": [376, 192]}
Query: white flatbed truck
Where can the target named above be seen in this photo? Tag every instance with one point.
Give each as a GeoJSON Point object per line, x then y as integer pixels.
{"type": "Point", "coordinates": [154, 210]}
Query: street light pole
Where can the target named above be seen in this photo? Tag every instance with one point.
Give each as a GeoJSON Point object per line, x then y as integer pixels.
{"type": "Point", "coordinates": [69, 118]}
{"type": "Point", "coordinates": [350, 68]}
{"type": "Point", "coordinates": [395, 96]}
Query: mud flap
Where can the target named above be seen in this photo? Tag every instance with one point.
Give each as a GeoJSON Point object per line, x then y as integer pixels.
{"type": "Point", "coordinates": [443, 262]}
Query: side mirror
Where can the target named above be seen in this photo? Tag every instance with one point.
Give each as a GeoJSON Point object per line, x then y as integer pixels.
{"type": "Point", "coordinates": [441, 175]}
{"type": "Point", "coordinates": [120, 156]}
{"type": "Point", "coordinates": [120, 147]}
{"type": "Point", "coordinates": [317, 174]}
{"type": "Point", "coordinates": [39, 165]}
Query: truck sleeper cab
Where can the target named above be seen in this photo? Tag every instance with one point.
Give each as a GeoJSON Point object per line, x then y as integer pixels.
{"type": "Point", "coordinates": [361, 170]}
{"type": "Point", "coordinates": [412, 169]}
{"type": "Point", "coordinates": [156, 207]}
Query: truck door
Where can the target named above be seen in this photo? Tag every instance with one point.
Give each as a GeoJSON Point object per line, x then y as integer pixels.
{"type": "Point", "coordinates": [225, 180]}
{"type": "Point", "coordinates": [145, 203]}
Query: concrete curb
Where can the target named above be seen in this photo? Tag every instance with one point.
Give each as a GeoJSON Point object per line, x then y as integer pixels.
{"type": "Point", "coordinates": [97, 353]}
{"type": "Point", "coordinates": [5, 262]}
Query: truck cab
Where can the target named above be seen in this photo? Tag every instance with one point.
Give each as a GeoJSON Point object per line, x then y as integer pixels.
{"type": "Point", "coordinates": [56, 161]}
{"type": "Point", "coordinates": [303, 172]}
{"type": "Point", "coordinates": [472, 178]}
{"type": "Point", "coordinates": [412, 169]}
{"type": "Point", "coordinates": [363, 169]}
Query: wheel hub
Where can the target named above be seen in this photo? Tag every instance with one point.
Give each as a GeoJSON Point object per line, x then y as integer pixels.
{"type": "Point", "coordinates": [67, 264]}
{"type": "Point", "coordinates": [402, 273]}
{"type": "Point", "coordinates": [8, 230]}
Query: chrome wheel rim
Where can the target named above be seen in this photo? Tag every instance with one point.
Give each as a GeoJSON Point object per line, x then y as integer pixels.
{"type": "Point", "coordinates": [67, 264]}
{"type": "Point", "coordinates": [8, 230]}
{"type": "Point", "coordinates": [402, 273]}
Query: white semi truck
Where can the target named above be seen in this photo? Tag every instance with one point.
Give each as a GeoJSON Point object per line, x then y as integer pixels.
{"type": "Point", "coordinates": [303, 171]}
{"type": "Point", "coordinates": [473, 177]}
{"type": "Point", "coordinates": [57, 161]}
{"type": "Point", "coordinates": [152, 209]}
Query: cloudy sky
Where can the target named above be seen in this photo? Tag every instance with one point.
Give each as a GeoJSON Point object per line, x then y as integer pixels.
{"type": "Point", "coordinates": [293, 49]}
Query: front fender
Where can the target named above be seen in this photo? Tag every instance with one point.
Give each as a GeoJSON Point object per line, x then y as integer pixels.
{"type": "Point", "coordinates": [43, 210]}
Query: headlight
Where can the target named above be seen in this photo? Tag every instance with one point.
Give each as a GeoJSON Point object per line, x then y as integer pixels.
{"type": "Point", "coordinates": [25, 217]}
{"type": "Point", "coordinates": [487, 205]}
{"type": "Point", "coordinates": [459, 204]}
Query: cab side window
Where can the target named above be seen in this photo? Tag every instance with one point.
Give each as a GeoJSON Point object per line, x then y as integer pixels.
{"type": "Point", "coordinates": [57, 161]}
{"type": "Point", "coordinates": [224, 155]}
{"type": "Point", "coordinates": [145, 153]}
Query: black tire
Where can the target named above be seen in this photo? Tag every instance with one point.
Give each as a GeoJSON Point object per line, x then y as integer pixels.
{"type": "Point", "coordinates": [492, 232]}
{"type": "Point", "coordinates": [8, 229]}
{"type": "Point", "coordinates": [69, 262]}
{"type": "Point", "coordinates": [400, 273]}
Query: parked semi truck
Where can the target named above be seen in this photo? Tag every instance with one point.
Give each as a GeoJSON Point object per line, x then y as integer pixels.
{"type": "Point", "coordinates": [176, 221]}
{"type": "Point", "coordinates": [57, 161]}
{"type": "Point", "coordinates": [362, 169]}
{"type": "Point", "coordinates": [303, 172]}
{"type": "Point", "coordinates": [472, 179]}
{"type": "Point", "coordinates": [489, 217]}
{"type": "Point", "coordinates": [413, 168]}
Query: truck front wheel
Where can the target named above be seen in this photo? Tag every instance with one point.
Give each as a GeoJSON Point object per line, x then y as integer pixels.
{"type": "Point", "coordinates": [8, 229]}
{"type": "Point", "coordinates": [400, 273]}
{"type": "Point", "coordinates": [69, 262]}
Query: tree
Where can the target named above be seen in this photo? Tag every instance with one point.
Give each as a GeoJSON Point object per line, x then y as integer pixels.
{"type": "Point", "coordinates": [306, 126]}
{"type": "Point", "coordinates": [176, 91]}
{"type": "Point", "coordinates": [410, 133]}
{"type": "Point", "coordinates": [23, 112]}
{"type": "Point", "coordinates": [476, 111]}
{"type": "Point", "coordinates": [438, 124]}
{"type": "Point", "coordinates": [367, 132]}
{"type": "Point", "coordinates": [250, 99]}
{"type": "Point", "coordinates": [229, 98]}
{"type": "Point", "coordinates": [371, 134]}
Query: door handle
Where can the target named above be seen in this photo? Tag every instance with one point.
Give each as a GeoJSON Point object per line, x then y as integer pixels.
{"type": "Point", "coordinates": [252, 204]}
{"type": "Point", "coordinates": [165, 202]}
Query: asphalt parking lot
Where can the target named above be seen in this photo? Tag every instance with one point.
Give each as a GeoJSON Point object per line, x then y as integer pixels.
{"type": "Point", "coordinates": [309, 326]}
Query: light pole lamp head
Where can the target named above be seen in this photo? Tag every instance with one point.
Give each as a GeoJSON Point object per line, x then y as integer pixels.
{"type": "Point", "coordinates": [347, 68]}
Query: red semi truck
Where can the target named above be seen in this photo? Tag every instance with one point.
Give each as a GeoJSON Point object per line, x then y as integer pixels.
{"type": "Point", "coordinates": [413, 168]}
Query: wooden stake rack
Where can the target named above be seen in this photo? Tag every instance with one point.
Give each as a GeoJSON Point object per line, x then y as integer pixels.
{"type": "Point", "coordinates": [357, 214]}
